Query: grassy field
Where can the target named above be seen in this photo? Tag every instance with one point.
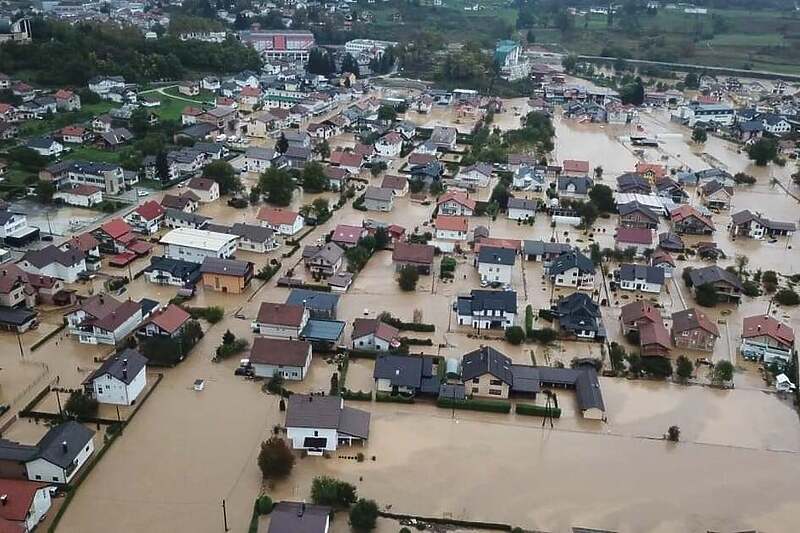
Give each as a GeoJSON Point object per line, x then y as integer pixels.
{"type": "Point", "coordinates": [90, 153]}
{"type": "Point", "coordinates": [173, 104]}
{"type": "Point", "coordinates": [59, 120]}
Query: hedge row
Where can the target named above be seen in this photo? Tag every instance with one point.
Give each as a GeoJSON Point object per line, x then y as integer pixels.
{"type": "Point", "coordinates": [491, 406]}
{"type": "Point", "coordinates": [386, 397]}
{"type": "Point", "coordinates": [358, 396]}
{"type": "Point", "coordinates": [530, 409]}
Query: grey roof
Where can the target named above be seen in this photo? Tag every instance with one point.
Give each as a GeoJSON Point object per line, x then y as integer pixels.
{"type": "Point", "coordinates": [193, 218]}
{"type": "Point", "coordinates": [317, 330]}
{"type": "Point", "coordinates": [569, 260]}
{"type": "Point", "coordinates": [198, 131]}
{"type": "Point", "coordinates": [52, 449]}
{"type": "Point", "coordinates": [522, 203]}
{"type": "Point", "coordinates": [40, 142]}
{"type": "Point", "coordinates": [583, 379]}
{"type": "Point", "coordinates": [746, 216]}
{"type": "Point", "coordinates": [52, 254]}
{"type": "Point", "coordinates": [298, 517]}
{"type": "Point", "coordinates": [485, 300]}
{"type": "Point", "coordinates": [230, 267]}
{"type": "Point", "coordinates": [321, 301]}
{"type": "Point", "coordinates": [124, 366]}
{"type": "Point", "coordinates": [442, 135]}
{"type": "Point", "coordinates": [713, 274]}
{"type": "Point", "coordinates": [582, 184]}
{"type": "Point", "coordinates": [631, 272]}
{"type": "Point", "coordinates": [486, 360]}
{"type": "Point", "coordinates": [405, 370]}
{"type": "Point", "coordinates": [541, 247]}
{"type": "Point", "coordinates": [632, 207]}
{"type": "Point", "coordinates": [525, 379]}
{"type": "Point", "coordinates": [330, 253]}
{"type": "Point", "coordinates": [670, 241]}
{"type": "Point", "coordinates": [15, 316]}
{"type": "Point", "coordinates": [579, 312]}
{"type": "Point", "coordinates": [326, 412]}
{"type": "Point", "coordinates": [378, 194]}
{"type": "Point", "coordinates": [452, 391]}
{"type": "Point", "coordinates": [495, 255]}
{"type": "Point", "coordinates": [248, 232]}
{"type": "Point", "coordinates": [632, 181]}
{"type": "Point", "coordinates": [16, 452]}
{"type": "Point", "coordinates": [267, 154]}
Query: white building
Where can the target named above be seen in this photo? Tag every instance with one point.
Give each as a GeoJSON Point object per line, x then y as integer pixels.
{"type": "Point", "coordinates": [61, 453]}
{"type": "Point", "coordinates": [719, 114]}
{"type": "Point", "coordinates": [281, 221]}
{"type": "Point", "coordinates": [119, 380]}
{"type": "Point", "coordinates": [24, 504]}
{"type": "Point", "coordinates": [188, 244]}
{"type": "Point", "coordinates": [281, 321]}
{"type": "Point", "coordinates": [572, 269]}
{"type": "Point", "coordinates": [521, 209]}
{"type": "Point", "coordinates": [321, 423]}
{"type": "Point", "coordinates": [370, 334]}
{"type": "Point", "coordinates": [80, 194]}
{"type": "Point", "coordinates": [371, 47]}
{"type": "Point", "coordinates": [450, 232]}
{"type": "Point", "coordinates": [288, 358]}
{"type": "Point", "coordinates": [641, 278]}
{"type": "Point", "coordinates": [54, 262]}
{"type": "Point", "coordinates": [496, 265]}
{"type": "Point", "coordinates": [487, 309]}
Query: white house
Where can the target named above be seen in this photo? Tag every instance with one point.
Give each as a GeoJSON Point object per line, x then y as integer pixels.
{"type": "Point", "coordinates": [146, 218]}
{"type": "Point", "coordinates": [487, 309]}
{"type": "Point", "coordinates": [206, 189]}
{"type": "Point", "coordinates": [257, 159]}
{"type": "Point", "coordinates": [450, 232]}
{"type": "Point", "coordinates": [101, 319]}
{"type": "Point", "coordinates": [189, 244]}
{"type": "Point", "coordinates": [281, 221]}
{"type": "Point", "coordinates": [24, 504]}
{"type": "Point", "coordinates": [766, 339]}
{"type": "Point", "coordinates": [321, 423]}
{"type": "Point", "coordinates": [521, 209]}
{"type": "Point", "coordinates": [80, 194]}
{"type": "Point", "coordinates": [54, 262]}
{"type": "Point", "coordinates": [166, 271]}
{"type": "Point", "coordinates": [119, 380]}
{"type": "Point", "coordinates": [104, 84]}
{"type": "Point", "coordinates": [496, 265]}
{"type": "Point", "coordinates": [572, 269]}
{"type": "Point", "coordinates": [456, 203]}
{"type": "Point", "coordinates": [640, 278]}
{"type": "Point", "coordinates": [477, 175]}
{"type": "Point", "coordinates": [45, 146]}
{"type": "Point", "coordinates": [281, 321]}
{"type": "Point", "coordinates": [288, 358]}
{"type": "Point", "coordinates": [370, 334]}
{"type": "Point", "coordinates": [61, 453]}
{"type": "Point", "coordinates": [389, 145]}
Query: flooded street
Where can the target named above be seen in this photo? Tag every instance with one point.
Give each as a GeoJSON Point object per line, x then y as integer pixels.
{"type": "Point", "coordinates": [737, 465]}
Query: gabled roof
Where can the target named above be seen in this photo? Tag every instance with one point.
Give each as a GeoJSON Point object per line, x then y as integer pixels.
{"type": "Point", "coordinates": [568, 260]}
{"type": "Point", "coordinates": [52, 449]}
{"type": "Point", "coordinates": [636, 207]}
{"type": "Point", "coordinates": [486, 360]}
{"type": "Point", "coordinates": [124, 366]}
{"type": "Point", "coordinates": [315, 300]}
{"type": "Point", "coordinates": [413, 253]}
{"type": "Point", "coordinates": [686, 211]}
{"type": "Point", "coordinates": [692, 318]}
{"type": "Point", "coordinates": [481, 300]}
{"type": "Point", "coordinates": [150, 210]}
{"type": "Point", "coordinates": [18, 495]}
{"type": "Point", "coordinates": [371, 326]}
{"type": "Point", "coordinates": [457, 197]}
{"type": "Point", "coordinates": [634, 235]}
{"type": "Point", "coordinates": [116, 228]}
{"type": "Point", "coordinates": [714, 274]}
{"type": "Point", "coordinates": [299, 517]}
{"type": "Point", "coordinates": [651, 274]}
{"type": "Point", "coordinates": [347, 234]}
{"type": "Point", "coordinates": [276, 216]}
{"type": "Point", "coordinates": [201, 184]}
{"type": "Point", "coordinates": [638, 311]}
{"type": "Point", "coordinates": [281, 314]}
{"type": "Point", "coordinates": [227, 267]}
{"type": "Point", "coordinates": [171, 318]}
{"type": "Point", "coordinates": [498, 256]}
{"type": "Point", "coordinates": [326, 412]}
{"type": "Point", "coordinates": [575, 166]}
{"type": "Point", "coordinates": [51, 254]}
{"type": "Point", "coordinates": [765, 325]}
{"type": "Point", "coordinates": [449, 223]}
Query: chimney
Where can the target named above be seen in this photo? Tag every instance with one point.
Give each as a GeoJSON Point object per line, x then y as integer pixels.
{"type": "Point", "coordinates": [4, 499]}
{"type": "Point", "coordinates": [124, 373]}
{"type": "Point", "coordinates": [64, 446]}
{"type": "Point", "coordinates": [758, 327]}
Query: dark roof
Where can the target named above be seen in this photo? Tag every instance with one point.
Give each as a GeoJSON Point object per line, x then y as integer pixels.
{"type": "Point", "coordinates": [404, 370]}
{"type": "Point", "coordinates": [413, 253]}
{"type": "Point", "coordinates": [228, 267]}
{"type": "Point", "coordinates": [692, 318]}
{"type": "Point", "coordinates": [193, 218]}
{"type": "Point", "coordinates": [124, 366]}
{"type": "Point", "coordinates": [542, 247]}
{"type": "Point", "coordinates": [326, 412]}
{"type": "Point", "coordinates": [632, 207]}
{"type": "Point", "coordinates": [298, 517]}
{"type": "Point", "coordinates": [651, 274]}
{"type": "Point", "coordinates": [248, 232]}
{"type": "Point", "coordinates": [632, 181]}
{"type": "Point", "coordinates": [186, 270]}
{"type": "Point", "coordinates": [16, 452]}
{"type": "Point", "coordinates": [494, 255]}
{"type": "Point", "coordinates": [320, 301]}
{"type": "Point", "coordinates": [484, 300]}
{"type": "Point", "coordinates": [282, 314]}
{"type": "Point", "coordinates": [51, 254]}
{"type": "Point", "coordinates": [16, 316]}
{"type": "Point", "coordinates": [582, 184]}
{"type": "Point", "coordinates": [579, 312]}
{"type": "Point", "coordinates": [714, 274]}
{"type": "Point", "coordinates": [670, 241]}
{"type": "Point", "coordinates": [569, 260]}
{"type": "Point", "coordinates": [522, 203]}
{"type": "Point", "coordinates": [52, 449]}
{"type": "Point", "coordinates": [486, 360]}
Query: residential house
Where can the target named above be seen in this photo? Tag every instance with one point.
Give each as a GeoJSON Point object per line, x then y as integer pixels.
{"type": "Point", "coordinates": [632, 277]}
{"type": "Point", "coordinates": [187, 202]}
{"type": "Point", "coordinates": [693, 330]}
{"type": "Point", "coordinates": [640, 239]}
{"type": "Point", "coordinates": [487, 309]}
{"type": "Point", "coordinates": [636, 314]}
{"type": "Point", "coordinates": [320, 424]}
{"type": "Point", "coordinates": [226, 275]}
{"type": "Point", "coordinates": [496, 265]}
{"type": "Point", "coordinates": [294, 517]}
{"type": "Point", "coordinates": [727, 284]}
{"type": "Point", "coordinates": [73, 134]}
{"type": "Point", "coordinates": [669, 188]}
{"type": "Point", "coordinates": [521, 209]}
{"type": "Point", "coordinates": [67, 100]}
{"type": "Point", "coordinates": [281, 221]}
{"type": "Point", "coordinates": [716, 195]}
{"type": "Point", "coordinates": [650, 171]}
{"type": "Point", "coordinates": [474, 176]}
{"type": "Point", "coordinates": [573, 186]}
{"type": "Point", "coordinates": [444, 138]}
{"type": "Point", "coordinates": [167, 322]}
{"type": "Point", "coordinates": [80, 194]}
{"type": "Point", "coordinates": [389, 145]}
{"type": "Point", "coordinates": [167, 271]}
{"type": "Point", "coordinates": [323, 261]}
{"type": "Point", "coordinates": [196, 245]}
{"type": "Point", "coordinates": [44, 146]}
{"type": "Point", "coordinates": [579, 317]}
{"type": "Point", "coordinates": [405, 374]}
{"type": "Point", "coordinates": [321, 305]}
{"type": "Point", "coordinates": [101, 319]}
{"type": "Point", "coordinates": [755, 226]}
{"type": "Point", "coordinates": [544, 251]}
{"type": "Point", "coordinates": [54, 262]}
{"type": "Point", "coordinates": [670, 242]}
{"type": "Point", "coordinates": [397, 184]}
{"type": "Point", "coordinates": [206, 189]}
{"type": "Point", "coordinates": [370, 334]}
{"type": "Point", "coordinates": [349, 161]}
{"type": "Point", "coordinates": [516, 161]}
{"type": "Point", "coordinates": [455, 203]}
{"type": "Point", "coordinates": [120, 380]}
{"type": "Point", "coordinates": [427, 173]}
{"type": "Point", "coordinates": [176, 218]}
{"type": "Point", "coordinates": [24, 504]}
{"type": "Point", "coordinates": [575, 168]}
{"type": "Point", "coordinates": [529, 178]}
{"type": "Point", "coordinates": [572, 269]}
{"type": "Point", "coordinates": [633, 183]}
{"type": "Point", "coordinates": [451, 231]}
{"type": "Point", "coordinates": [348, 236]}
{"type": "Point", "coordinates": [337, 177]}
{"type": "Point", "coordinates": [146, 218]}
{"type": "Point", "coordinates": [766, 339]}
{"type": "Point", "coordinates": [281, 321]}
{"type": "Point", "coordinates": [688, 220]}
{"type": "Point", "coordinates": [379, 199]}
{"type": "Point", "coordinates": [663, 260]}
{"type": "Point", "coordinates": [637, 215]}
{"type": "Point", "coordinates": [654, 340]}
{"type": "Point", "coordinates": [14, 229]}
{"type": "Point", "coordinates": [419, 256]}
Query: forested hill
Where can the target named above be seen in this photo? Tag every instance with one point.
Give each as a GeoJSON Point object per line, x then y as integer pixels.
{"type": "Point", "coordinates": [64, 54]}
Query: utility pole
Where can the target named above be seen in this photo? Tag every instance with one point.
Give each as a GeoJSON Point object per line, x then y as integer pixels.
{"type": "Point", "coordinates": [19, 342]}
{"type": "Point", "coordinates": [225, 516]}
{"type": "Point", "coordinates": [58, 400]}
{"type": "Point", "coordinates": [119, 420]}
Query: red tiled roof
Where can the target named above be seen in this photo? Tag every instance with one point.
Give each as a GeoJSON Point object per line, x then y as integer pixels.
{"type": "Point", "coordinates": [72, 131]}
{"type": "Point", "coordinates": [191, 111]}
{"type": "Point", "coordinates": [511, 244]}
{"type": "Point", "coordinates": [654, 333]}
{"type": "Point", "coordinates": [171, 318]}
{"type": "Point", "coordinates": [416, 159]}
{"type": "Point", "coordinates": [281, 314]}
{"type": "Point", "coordinates": [140, 248]}
{"type": "Point", "coordinates": [636, 311]}
{"type": "Point", "coordinates": [634, 235]}
{"type": "Point", "coordinates": [347, 234]}
{"type": "Point", "coordinates": [452, 223]}
{"type": "Point", "coordinates": [657, 170]}
{"type": "Point", "coordinates": [413, 253]}
{"type": "Point", "coordinates": [279, 352]}
{"type": "Point", "coordinates": [756, 326]}
{"type": "Point", "coordinates": [150, 210]}
{"type": "Point", "coordinates": [575, 166]}
{"type": "Point", "coordinates": [63, 94]}
{"type": "Point", "coordinates": [19, 494]}
{"type": "Point", "coordinates": [276, 215]}
{"type": "Point", "coordinates": [250, 91]}
{"type": "Point", "coordinates": [685, 211]}
{"type": "Point", "coordinates": [201, 184]}
{"type": "Point", "coordinates": [692, 318]}
{"type": "Point", "coordinates": [346, 159]}
{"type": "Point", "coordinates": [83, 189]}
{"type": "Point", "coordinates": [458, 197]}
{"type": "Point", "coordinates": [381, 330]}
{"type": "Point", "coordinates": [116, 228]}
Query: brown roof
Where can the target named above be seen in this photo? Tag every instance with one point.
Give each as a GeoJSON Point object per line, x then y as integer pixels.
{"type": "Point", "coordinates": [279, 352]}
{"type": "Point", "coordinates": [690, 319]}
{"type": "Point", "coordinates": [452, 223]}
{"type": "Point", "coordinates": [457, 197]}
{"type": "Point", "coordinates": [576, 166]}
{"type": "Point", "coordinates": [381, 330]}
{"type": "Point", "coordinates": [654, 333]}
{"type": "Point", "coordinates": [82, 189]}
{"type": "Point", "coordinates": [276, 215]}
{"type": "Point", "coordinates": [171, 318]}
{"type": "Point", "coordinates": [347, 234]}
{"type": "Point", "coordinates": [634, 235]}
{"type": "Point", "coordinates": [10, 277]}
{"type": "Point", "coordinates": [99, 305]}
{"type": "Point", "coordinates": [118, 316]}
{"type": "Point", "coordinates": [420, 159]}
{"type": "Point", "coordinates": [18, 494]}
{"type": "Point", "coordinates": [396, 183]}
{"type": "Point", "coordinates": [413, 253]}
{"type": "Point", "coordinates": [281, 314]}
{"type": "Point", "coordinates": [201, 184]}
{"type": "Point", "coordinates": [685, 211]}
{"type": "Point", "coordinates": [756, 326]}
{"type": "Point", "coordinates": [636, 311]}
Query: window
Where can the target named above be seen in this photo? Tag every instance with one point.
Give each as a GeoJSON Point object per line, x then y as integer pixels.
{"type": "Point", "coordinates": [476, 380]}
{"type": "Point", "coordinates": [38, 477]}
{"type": "Point", "coordinates": [495, 392]}
{"type": "Point", "coordinates": [474, 391]}
{"type": "Point", "coordinates": [54, 478]}
{"type": "Point", "coordinates": [495, 382]}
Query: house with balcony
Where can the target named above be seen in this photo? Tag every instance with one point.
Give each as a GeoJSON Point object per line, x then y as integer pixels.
{"type": "Point", "coordinates": [101, 319]}
{"type": "Point", "coordinates": [579, 317]}
{"type": "Point", "coordinates": [120, 380]}
{"type": "Point", "coordinates": [644, 278]}
{"type": "Point", "coordinates": [280, 321]}
{"type": "Point", "coordinates": [755, 226]}
{"type": "Point", "coordinates": [766, 339]}
{"type": "Point", "coordinates": [572, 269]}
{"type": "Point", "coordinates": [496, 265]}
{"type": "Point", "coordinates": [727, 285]}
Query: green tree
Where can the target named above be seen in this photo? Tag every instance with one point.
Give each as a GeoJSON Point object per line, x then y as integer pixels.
{"type": "Point", "coordinates": [140, 121]}
{"type": "Point", "coordinates": [387, 113]}
{"type": "Point", "coordinates": [277, 185]}
{"type": "Point", "coordinates": [603, 198]}
{"type": "Point", "coordinates": [408, 278]}
{"type": "Point", "coordinates": [321, 208]}
{"type": "Point", "coordinates": [320, 62]}
{"type": "Point", "coordinates": [323, 149]}
{"type": "Point", "coordinates": [364, 516]}
{"type": "Point", "coordinates": [787, 297]}
{"type": "Point", "coordinates": [275, 459]}
{"type": "Point", "coordinates": [515, 335]}
{"type": "Point", "coordinates": [570, 62]}
{"type": "Point", "coordinates": [282, 144]}
{"type": "Point", "coordinates": [381, 238]}
{"type": "Point", "coordinates": [223, 173]}
{"type": "Point", "coordinates": [691, 81]}
{"type": "Point", "coordinates": [763, 151]}
{"type": "Point", "coordinates": [329, 491]}
{"type": "Point", "coordinates": [706, 295]}
{"type": "Point", "coordinates": [723, 372]}
{"type": "Point", "coordinates": [314, 179]}
{"type": "Point", "coordinates": [674, 434]}
{"type": "Point", "coordinates": [699, 135]}
{"type": "Point", "coordinates": [633, 93]}
{"type": "Point", "coordinates": [27, 158]}
{"type": "Point", "coordinates": [162, 167]}
{"type": "Point", "coordinates": [45, 191]}
{"type": "Point", "coordinates": [500, 195]}
{"type": "Point", "coordinates": [588, 213]}
{"type": "Point", "coordinates": [264, 504]}
{"type": "Point", "coordinates": [228, 338]}
{"type": "Point", "coordinates": [349, 64]}
{"type": "Point", "coordinates": [81, 405]}
{"type": "Point", "coordinates": [684, 367]}
{"type": "Point", "coordinates": [616, 355]}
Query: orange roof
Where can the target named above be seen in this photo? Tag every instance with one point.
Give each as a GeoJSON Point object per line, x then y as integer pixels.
{"type": "Point", "coordinates": [458, 197]}
{"type": "Point", "coordinates": [63, 94]}
{"type": "Point", "coordinates": [73, 131]}
{"type": "Point", "coordinates": [191, 111]}
{"type": "Point", "coordinates": [685, 211]}
{"type": "Point", "coordinates": [116, 228]}
{"type": "Point", "coordinates": [171, 318]}
{"type": "Point", "coordinates": [452, 223]}
{"type": "Point", "coordinates": [150, 210]}
{"type": "Point", "coordinates": [250, 91]}
{"type": "Point", "coordinates": [277, 216]}
{"type": "Point", "coordinates": [575, 166]}
{"type": "Point", "coordinates": [657, 170]}
{"type": "Point", "coordinates": [511, 244]}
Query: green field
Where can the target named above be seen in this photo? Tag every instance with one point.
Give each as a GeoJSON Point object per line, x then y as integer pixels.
{"type": "Point", "coordinates": [173, 104]}
{"type": "Point", "coordinates": [32, 128]}
{"type": "Point", "coordinates": [90, 153]}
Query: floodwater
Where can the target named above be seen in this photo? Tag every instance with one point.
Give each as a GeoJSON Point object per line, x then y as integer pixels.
{"type": "Point", "coordinates": [186, 451]}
